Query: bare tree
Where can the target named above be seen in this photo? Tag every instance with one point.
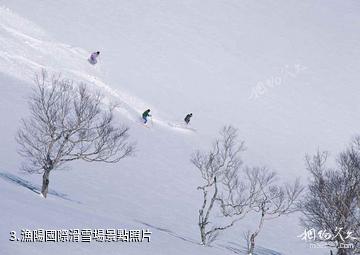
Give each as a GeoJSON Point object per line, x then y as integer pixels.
{"type": "Point", "coordinates": [68, 123]}
{"type": "Point", "coordinates": [221, 163]}
{"type": "Point", "coordinates": [332, 202]}
{"type": "Point", "coordinates": [272, 201]}
{"type": "Point", "coordinates": [234, 190]}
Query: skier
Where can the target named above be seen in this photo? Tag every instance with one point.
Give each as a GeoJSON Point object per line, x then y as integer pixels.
{"type": "Point", "coordinates": [145, 115]}
{"type": "Point", "coordinates": [93, 57]}
{"type": "Point", "coordinates": [187, 118]}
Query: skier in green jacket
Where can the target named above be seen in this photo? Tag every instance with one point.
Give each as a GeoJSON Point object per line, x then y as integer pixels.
{"type": "Point", "coordinates": [145, 115]}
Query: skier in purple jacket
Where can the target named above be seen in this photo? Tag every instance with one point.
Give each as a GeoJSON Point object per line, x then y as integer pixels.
{"type": "Point", "coordinates": [93, 57]}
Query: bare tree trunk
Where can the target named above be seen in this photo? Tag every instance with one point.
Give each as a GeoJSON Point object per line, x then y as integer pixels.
{"type": "Point", "coordinates": [342, 251]}
{"type": "Point", "coordinates": [252, 244]}
{"type": "Point", "coordinates": [202, 222]}
{"type": "Point", "coordinates": [254, 235]}
{"type": "Point", "coordinates": [202, 233]}
{"type": "Point", "coordinates": [204, 219]}
{"type": "Point", "coordinates": [45, 183]}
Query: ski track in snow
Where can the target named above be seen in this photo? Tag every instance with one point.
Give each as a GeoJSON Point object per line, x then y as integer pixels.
{"type": "Point", "coordinates": [30, 50]}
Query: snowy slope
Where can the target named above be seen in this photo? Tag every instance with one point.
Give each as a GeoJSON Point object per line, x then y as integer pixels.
{"type": "Point", "coordinates": [177, 57]}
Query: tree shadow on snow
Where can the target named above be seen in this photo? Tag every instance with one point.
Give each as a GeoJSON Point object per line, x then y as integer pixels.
{"type": "Point", "coordinates": [231, 246]}
{"type": "Point", "coordinates": [238, 249]}
{"type": "Point", "coordinates": [169, 232]}
{"type": "Point", "coordinates": [34, 188]}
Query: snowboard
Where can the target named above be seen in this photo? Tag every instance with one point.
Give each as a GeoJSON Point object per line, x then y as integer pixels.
{"type": "Point", "coordinates": [93, 62]}
{"type": "Point", "coordinates": [148, 124]}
